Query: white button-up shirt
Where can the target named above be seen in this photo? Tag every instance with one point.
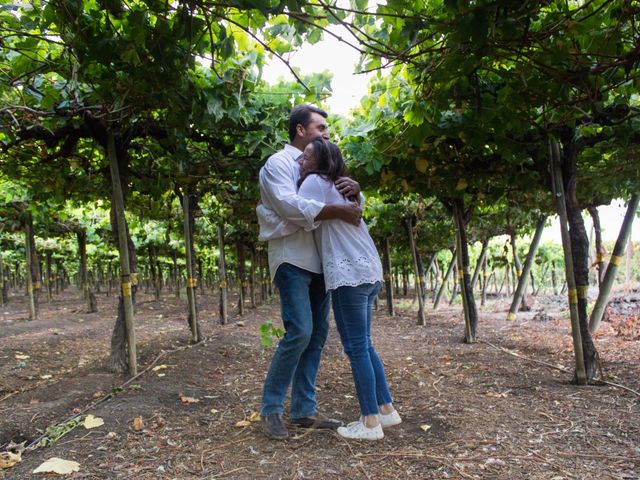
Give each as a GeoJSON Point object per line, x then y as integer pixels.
{"type": "Point", "coordinates": [349, 256]}
{"type": "Point", "coordinates": [286, 219]}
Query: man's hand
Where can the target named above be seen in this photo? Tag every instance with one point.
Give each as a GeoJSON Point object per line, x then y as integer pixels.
{"type": "Point", "coordinates": [348, 212]}
{"type": "Point", "coordinates": [348, 187]}
{"type": "Point", "coordinates": [351, 213]}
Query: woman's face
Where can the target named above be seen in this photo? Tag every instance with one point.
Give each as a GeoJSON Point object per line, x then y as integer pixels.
{"type": "Point", "coordinates": [308, 162]}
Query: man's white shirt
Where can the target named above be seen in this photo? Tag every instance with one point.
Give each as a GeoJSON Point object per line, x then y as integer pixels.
{"type": "Point", "coordinates": [286, 220]}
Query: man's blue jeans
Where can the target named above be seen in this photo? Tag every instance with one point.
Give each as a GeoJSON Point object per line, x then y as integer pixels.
{"type": "Point", "coordinates": [304, 306]}
{"type": "Point", "coordinates": [353, 309]}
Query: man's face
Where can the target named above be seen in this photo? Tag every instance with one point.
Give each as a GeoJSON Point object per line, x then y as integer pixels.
{"type": "Point", "coordinates": [317, 128]}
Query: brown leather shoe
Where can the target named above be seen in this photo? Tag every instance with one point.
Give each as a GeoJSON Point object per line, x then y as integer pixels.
{"type": "Point", "coordinates": [320, 421]}
{"type": "Point", "coordinates": [273, 426]}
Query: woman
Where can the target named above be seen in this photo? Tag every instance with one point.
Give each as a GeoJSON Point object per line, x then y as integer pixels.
{"type": "Point", "coordinates": [353, 273]}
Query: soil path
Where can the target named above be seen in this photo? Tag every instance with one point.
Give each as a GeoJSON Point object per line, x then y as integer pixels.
{"type": "Point", "coordinates": [469, 411]}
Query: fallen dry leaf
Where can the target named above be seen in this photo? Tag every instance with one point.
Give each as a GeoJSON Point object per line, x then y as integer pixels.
{"type": "Point", "coordinates": [9, 459]}
{"type": "Point", "coordinates": [185, 399]}
{"type": "Point", "coordinates": [21, 357]}
{"type": "Point", "coordinates": [498, 395]}
{"type": "Point", "coordinates": [243, 423]}
{"type": "Point", "coordinates": [159, 367]}
{"type": "Point", "coordinates": [254, 417]}
{"type": "Point", "coordinates": [93, 422]}
{"type": "Point", "coordinates": [59, 466]}
{"type": "Point", "coordinates": [138, 424]}
{"type": "Point", "coordinates": [213, 411]}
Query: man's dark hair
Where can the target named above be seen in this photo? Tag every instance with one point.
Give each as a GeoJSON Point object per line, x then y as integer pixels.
{"type": "Point", "coordinates": [301, 115]}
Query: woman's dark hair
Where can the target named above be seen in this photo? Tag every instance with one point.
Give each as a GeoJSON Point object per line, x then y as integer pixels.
{"type": "Point", "coordinates": [330, 162]}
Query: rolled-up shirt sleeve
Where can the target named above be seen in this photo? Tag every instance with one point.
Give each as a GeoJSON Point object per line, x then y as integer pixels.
{"type": "Point", "coordinates": [272, 226]}
{"type": "Point", "coordinates": [279, 194]}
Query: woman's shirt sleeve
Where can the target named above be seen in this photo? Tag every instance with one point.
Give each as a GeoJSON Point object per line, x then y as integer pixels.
{"type": "Point", "coordinates": [313, 188]}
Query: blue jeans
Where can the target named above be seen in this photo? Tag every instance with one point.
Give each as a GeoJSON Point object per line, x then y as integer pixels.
{"type": "Point", "coordinates": [353, 308]}
{"type": "Point", "coordinates": [304, 307]}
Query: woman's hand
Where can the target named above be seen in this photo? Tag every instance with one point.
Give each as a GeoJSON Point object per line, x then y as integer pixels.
{"type": "Point", "coordinates": [349, 212]}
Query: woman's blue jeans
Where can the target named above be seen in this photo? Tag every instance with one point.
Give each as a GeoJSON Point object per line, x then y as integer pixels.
{"type": "Point", "coordinates": [304, 306]}
{"type": "Point", "coordinates": [353, 309]}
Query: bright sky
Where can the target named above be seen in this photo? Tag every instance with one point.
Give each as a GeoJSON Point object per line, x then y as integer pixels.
{"type": "Point", "coordinates": [332, 55]}
{"type": "Point", "coordinates": [611, 217]}
{"type": "Point", "coordinates": [340, 59]}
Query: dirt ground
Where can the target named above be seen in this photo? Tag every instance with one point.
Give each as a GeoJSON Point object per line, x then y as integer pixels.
{"type": "Point", "coordinates": [469, 411]}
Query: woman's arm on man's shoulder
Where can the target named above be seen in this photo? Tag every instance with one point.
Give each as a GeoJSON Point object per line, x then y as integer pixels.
{"type": "Point", "coordinates": [316, 188]}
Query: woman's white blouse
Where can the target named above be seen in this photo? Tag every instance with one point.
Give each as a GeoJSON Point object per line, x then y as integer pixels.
{"type": "Point", "coordinates": [349, 256]}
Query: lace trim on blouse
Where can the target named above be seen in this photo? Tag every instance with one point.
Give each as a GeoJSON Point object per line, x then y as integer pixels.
{"type": "Point", "coordinates": [351, 272]}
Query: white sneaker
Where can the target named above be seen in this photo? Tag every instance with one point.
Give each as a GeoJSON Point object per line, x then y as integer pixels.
{"type": "Point", "coordinates": [359, 431]}
{"type": "Point", "coordinates": [390, 420]}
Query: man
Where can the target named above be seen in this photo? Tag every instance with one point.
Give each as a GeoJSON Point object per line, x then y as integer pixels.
{"type": "Point", "coordinates": [286, 221]}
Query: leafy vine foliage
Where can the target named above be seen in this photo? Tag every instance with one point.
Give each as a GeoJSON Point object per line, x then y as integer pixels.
{"type": "Point", "coordinates": [453, 138]}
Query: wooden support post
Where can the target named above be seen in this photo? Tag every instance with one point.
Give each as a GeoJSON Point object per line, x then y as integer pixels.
{"type": "Point", "coordinates": [558, 192]}
{"type": "Point", "coordinates": [123, 248]}
{"type": "Point", "coordinates": [414, 253]}
{"type": "Point", "coordinates": [33, 311]}
{"type": "Point", "coordinates": [191, 280]}
{"type": "Point", "coordinates": [447, 275]}
{"type": "Point", "coordinates": [222, 274]}
{"type": "Point", "coordinates": [479, 263]}
{"type": "Point", "coordinates": [614, 262]}
{"type": "Point", "coordinates": [528, 263]}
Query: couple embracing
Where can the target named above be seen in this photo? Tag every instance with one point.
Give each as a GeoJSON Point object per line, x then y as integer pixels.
{"type": "Point", "coordinates": [320, 252]}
